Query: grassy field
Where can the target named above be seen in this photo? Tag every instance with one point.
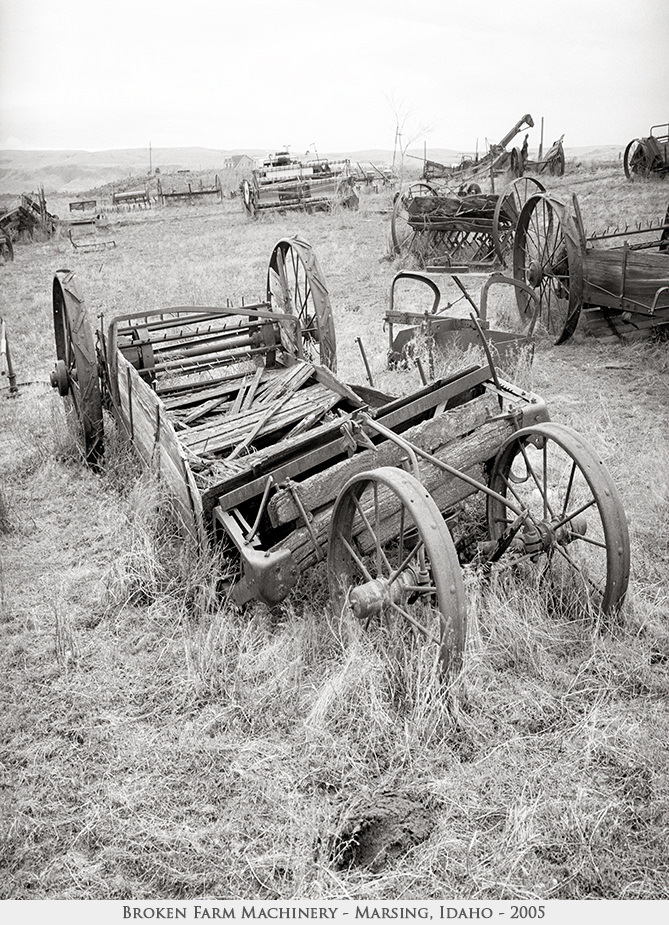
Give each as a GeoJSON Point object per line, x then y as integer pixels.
{"type": "Point", "coordinates": [158, 742]}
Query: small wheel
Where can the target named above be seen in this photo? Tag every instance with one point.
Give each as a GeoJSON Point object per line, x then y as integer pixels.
{"type": "Point", "coordinates": [547, 257]}
{"type": "Point", "coordinates": [401, 231]}
{"type": "Point", "coordinates": [249, 198]}
{"type": "Point", "coordinates": [576, 535]}
{"type": "Point", "coordinates": [76, 372]}
{"type": "Point", "coordinates": [636, 161]}
{"type": "Point", "coordinates": [393, 565]}
{"type": "Point", "coordinates": [296, 286]}
{"type": "Point", "coordinates": [507, 209]}
{"type": "Point", "coordinates": [6, 247]}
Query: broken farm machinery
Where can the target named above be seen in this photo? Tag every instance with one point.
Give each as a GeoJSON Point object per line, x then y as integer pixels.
{"type": "Point", "coordinates": [188, 190]}
{"type": "Point", "coordinates": [552, 162]}
{"type": "Point", "coordinates": [262, 449]}
{"type": "Point", "coordinates": [131, 199]}
{"type": "Point", "coordinates": [27, 221]}
{"type": "Point", "coordinates": [496, 161]}
{"type": "Point", "coordinates": [461, 230]}
{"type": "Point", "coordinates": [438, 329]}
{"type": "Point", "coordinates": [284, 182]}
{"type": "Point", "coordinates": [622, 292]}
{"type": "Point", "coordinates": [648, 156]}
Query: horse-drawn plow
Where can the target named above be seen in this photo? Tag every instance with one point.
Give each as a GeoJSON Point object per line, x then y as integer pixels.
{"type": "Point", "coordinates": [266, 453]}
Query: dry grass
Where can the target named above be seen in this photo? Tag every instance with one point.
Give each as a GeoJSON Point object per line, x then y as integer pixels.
{"type": "Point", "coordinates": [159, 742]}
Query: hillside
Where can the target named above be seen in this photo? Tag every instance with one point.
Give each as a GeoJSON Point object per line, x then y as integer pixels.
{"type": "Point", "coordinates": [79, 171]}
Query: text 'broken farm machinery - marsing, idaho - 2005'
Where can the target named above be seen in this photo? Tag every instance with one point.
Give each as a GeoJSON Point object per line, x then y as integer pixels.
{"type": "Point", "coordinates": [261, 447]}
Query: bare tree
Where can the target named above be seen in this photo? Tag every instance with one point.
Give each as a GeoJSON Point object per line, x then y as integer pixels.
{"type": "Point", "coordinates": [405, 134]}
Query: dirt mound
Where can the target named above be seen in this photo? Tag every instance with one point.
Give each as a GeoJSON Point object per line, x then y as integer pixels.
{"type": "Point", "coordinates": [378, 828]}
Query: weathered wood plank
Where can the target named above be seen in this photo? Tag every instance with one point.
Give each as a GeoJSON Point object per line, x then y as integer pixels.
{"type": "Point", "coordinates": [431, 435]}
{"type": "Point", "coordinates": [225, 433]}
{"type": "Point", "coordinates": [155, 440]}
{"type": "Point", "coordinates": [643, 273]}
{"type": "Point", "coordinates": [446, 495]}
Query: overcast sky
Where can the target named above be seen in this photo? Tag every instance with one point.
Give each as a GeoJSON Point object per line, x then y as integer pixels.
{"type": "Point", "coordinates": [235, 74]}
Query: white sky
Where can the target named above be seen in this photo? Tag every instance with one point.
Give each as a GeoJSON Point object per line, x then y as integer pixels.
{"type": "Point", "coordinates": [235, 74]}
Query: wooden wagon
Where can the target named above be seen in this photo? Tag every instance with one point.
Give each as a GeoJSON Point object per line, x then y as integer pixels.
{"type": "Point", "coordinates": [263, 449]}
{"type": "Point", "coordinates": [284, 182]}
{"type": "Point", "coordinates": [463, 229]}
{"type": "Point", "coordinates": [621, 291]}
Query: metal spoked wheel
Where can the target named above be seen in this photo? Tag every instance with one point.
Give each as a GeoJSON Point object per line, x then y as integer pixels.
{"type": "Point", "coordinates": [401, 231]}
{"type": "Point", "coordinates": [296, 286]}
{"type": "Point", "coordinates": [76, 372]}
{"type": "Point", "coordinates": [636, 162]}
{"type": "Point", "coordinates": [507, 211]}
{"type": "Point", "coordinates": [393, 565]}
{"type": "Point", "coordinates": [547, 257]}
{"type": "Point", "coordinates": [575, 536]}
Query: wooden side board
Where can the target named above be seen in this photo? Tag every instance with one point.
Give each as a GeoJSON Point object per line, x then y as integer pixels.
{"type": "Point", "coordinates": [155, 440]}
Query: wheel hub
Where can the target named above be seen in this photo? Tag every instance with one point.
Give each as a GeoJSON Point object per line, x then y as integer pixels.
{"type": "Point", "coordinates": [373, 597]}
{"type": "Point", "coordinates": [541, 536]}
{"type": "Point", "coordinates": [535, 274]}
{"type": "Point", "coordinates": [59, 378]}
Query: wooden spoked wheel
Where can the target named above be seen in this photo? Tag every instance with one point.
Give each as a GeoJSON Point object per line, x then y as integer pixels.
{"type": "Point", "coordinates": [507, 211]}
{"type": "Point", "coordinates": [401, 231]}
{"type": "Point", "coordinates": [296, 286]}
{"type": "Point", "coordinates": [555, 164]}
{"type": "Point", "coordinates": [76, 372]}
{"type": "Point", "coordinates": [547, 257]}
{"type": "Point", "coordinates": [392, 565]}
{"type": "Point", "coordinates": [575, 537]}
{"type": "Point", "coordinates": [6, 247]}
{"type": "Point", "coordinates": [248, 196]}
{"type": "Point", "coordinates": [636, 162]}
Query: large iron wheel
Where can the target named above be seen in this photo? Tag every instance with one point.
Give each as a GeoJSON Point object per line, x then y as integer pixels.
{"type": "Point", "coordinates": [636, 161]}
{"type": "Point", "coordinates": [547, 257]}
{"type": "Point", "coordinates": [401, 231]}
{"type": "Point", "coordinates": [575, 535]}
{"type": "Point", "coordinates": [76, 372]}
{"type": "Point", "coordinates": [393, 565]}
{"type": "Point", "coordinates": [296, 286]}
{"type": "Point", "coordinates": [507, 211]}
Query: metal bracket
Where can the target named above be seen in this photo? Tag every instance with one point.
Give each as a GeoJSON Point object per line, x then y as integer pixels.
{"type": "Point", "coordinates": [267, 575]}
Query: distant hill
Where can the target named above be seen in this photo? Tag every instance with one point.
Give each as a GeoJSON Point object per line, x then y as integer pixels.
{"type": "Point", "coordinates": [79, 171]}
